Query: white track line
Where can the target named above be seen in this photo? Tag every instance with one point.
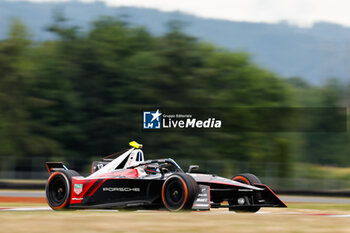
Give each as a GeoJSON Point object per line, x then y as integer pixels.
{"type": "Point", "coordinates": [340, 216]}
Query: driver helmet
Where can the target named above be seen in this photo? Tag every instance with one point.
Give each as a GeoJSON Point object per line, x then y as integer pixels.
{"type": "Point", "coordinates": [151, 169]}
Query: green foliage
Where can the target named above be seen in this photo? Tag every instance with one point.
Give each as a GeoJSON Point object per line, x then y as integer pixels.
{"type": "Point", "coordinates": [18, 128]}
{"type": "Point", "coordinates": [82, 95]}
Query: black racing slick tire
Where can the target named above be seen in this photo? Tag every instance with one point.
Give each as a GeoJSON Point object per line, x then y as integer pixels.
{"type": "Point", "coordinates": [246, 178]}
{"type": "Point", "coordinates": [58, 189]}
{"type": "Point", "coordinates": [179, 191]}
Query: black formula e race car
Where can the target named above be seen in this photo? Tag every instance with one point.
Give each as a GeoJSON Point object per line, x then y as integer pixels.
{"type": "Point", "coordinates": [129, 181]}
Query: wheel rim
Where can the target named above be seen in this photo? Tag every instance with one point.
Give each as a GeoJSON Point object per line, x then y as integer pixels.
{"type": "Point", "coordinates": [175, 194]}
{"type": "Point", "coordinates": [57, 190]}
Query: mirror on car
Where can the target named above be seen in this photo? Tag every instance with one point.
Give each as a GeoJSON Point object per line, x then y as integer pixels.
{"type": "Point", "coordinates": [163, 170]}
{"type": "Point", "coordinates": [192, 168]}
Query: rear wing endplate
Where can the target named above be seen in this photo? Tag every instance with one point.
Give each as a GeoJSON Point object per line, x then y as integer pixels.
{"type": "Point", "coordinates": [55, 166]}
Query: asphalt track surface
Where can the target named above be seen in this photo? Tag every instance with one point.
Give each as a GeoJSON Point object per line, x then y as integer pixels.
{"type": "Point", "coordinates": [294, 199]}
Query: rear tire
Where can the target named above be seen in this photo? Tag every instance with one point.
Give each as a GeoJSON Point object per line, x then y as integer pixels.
{"type": "Point", "coordinates": [245, 178]}
{"type": "Point", "coordinates": [58, 189]}
{"type": "Point", "coordinates": [179, 191]}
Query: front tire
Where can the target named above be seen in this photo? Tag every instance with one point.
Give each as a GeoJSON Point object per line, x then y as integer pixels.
{"type": "Point", "coordinates": [179, 191]}
{"type": "Point", "coordinates": [245, 178]}
{"type": "Point", "coordinates": [58, 189]}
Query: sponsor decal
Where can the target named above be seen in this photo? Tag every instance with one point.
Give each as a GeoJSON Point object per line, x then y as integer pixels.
{"type": "Point", "coordinates": [202, 201]}
{"type": "Point", "coordinates": [78, 188]}
{"type": "Point", "coordinates": [120, 189]}
{"type": "Point", "coordinates": [245, 190]}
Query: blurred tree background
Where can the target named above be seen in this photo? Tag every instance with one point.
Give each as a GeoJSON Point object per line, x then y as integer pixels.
{"type": "Point", "coordinates": [72, 96]}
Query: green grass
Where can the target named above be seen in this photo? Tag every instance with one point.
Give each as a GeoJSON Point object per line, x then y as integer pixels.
{"type": "Point", "coordinates": [43, 181]}
{"type": "Point", "coordinates": [319, 206]}
{"type": "Point", "coordinates": [314, 171]}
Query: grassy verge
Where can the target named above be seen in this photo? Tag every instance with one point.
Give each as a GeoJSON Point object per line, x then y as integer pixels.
{"type": "Point", "coordinates": [42, 181]}
{"type": "Point", "coordinates": [319, 206]}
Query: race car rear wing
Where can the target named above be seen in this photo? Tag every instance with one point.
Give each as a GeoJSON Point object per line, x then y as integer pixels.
{"type": "Point", "coordinates": [55, 166]}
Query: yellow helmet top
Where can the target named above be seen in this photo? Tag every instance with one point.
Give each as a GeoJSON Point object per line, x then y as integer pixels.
{"type": "Point", "coordinates": [135, 145]}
